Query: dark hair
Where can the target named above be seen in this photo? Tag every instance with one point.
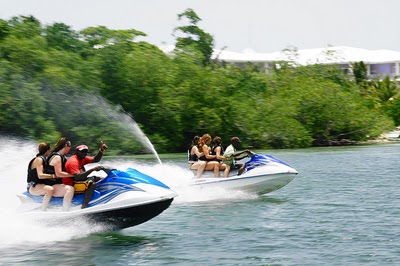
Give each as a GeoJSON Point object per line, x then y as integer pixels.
{"type": "Point", "coordinates": [61, 144]}
{"type": "Point", "coordinates": [217, 140]}
{"type": "Point", "coordinates": [195, 140]}
{"type": "Point", "coordinates": [235, 140]}
{"type": "Point", "coordinates": [43, 148]}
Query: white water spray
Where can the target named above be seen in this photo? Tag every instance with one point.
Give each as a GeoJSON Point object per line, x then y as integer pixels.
{"type": "Point", "coordinates": [129, 123]}
{"type": "Point", "coordinates": [134, 127]}
{"type": "Point", "coordinates": [102, 111]}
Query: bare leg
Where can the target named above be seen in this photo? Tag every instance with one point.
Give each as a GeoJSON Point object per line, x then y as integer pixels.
{"type": "Point", "coordinates": [41, 189]}
{"type": "Point", "coordinates": [200, 169]}
{"type": "Point", "coordinates": [49, 191]}
{"type": "Point", "coordinates": [216, 170]}
{"type": "Point", "coordinates": [68, 197]}
{"type": "Point", "coordinates": [65, 191]}
{"type": "Point", "coordinates": [213, 166]}
{"type": "Point", "coordinates": [226, 170]}
{"type": "Point", "coordinates": [199, 166]}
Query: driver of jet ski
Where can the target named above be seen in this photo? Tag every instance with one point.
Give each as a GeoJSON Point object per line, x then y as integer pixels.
{"type": "Point", "coordinates": [231, 155]}
{"type": "Point", "coordinates": [75, 166]}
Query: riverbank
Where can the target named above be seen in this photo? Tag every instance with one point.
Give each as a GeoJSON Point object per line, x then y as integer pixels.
{"type": "Point", "coordinates": [387, 137]}
{"type": "Point", "coordinates": [391, 136]}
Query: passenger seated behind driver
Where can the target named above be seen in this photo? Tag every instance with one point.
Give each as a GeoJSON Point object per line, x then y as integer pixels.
{"type": "Point", "coordinates": [211, 164]}
{"type": "Point", "coordinates": [231, 155]}
{"type": "Point", "coordinates": [193, 157]}
{"type": "Point", "coordinates": [75, 166]}
{"type": "Point", "coordinates": [56, 165]}
{"type": "Point", "coordinates": [36, 175]}
{"type": "Point", "coordinates": [218, 150]}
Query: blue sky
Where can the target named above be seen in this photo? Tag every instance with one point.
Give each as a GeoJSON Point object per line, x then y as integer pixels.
{"type": "Point", "coordinates": [260, 25]}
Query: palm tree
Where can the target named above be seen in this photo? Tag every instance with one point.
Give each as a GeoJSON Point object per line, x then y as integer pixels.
{"type": "Point", "coordinates": [385, 90]}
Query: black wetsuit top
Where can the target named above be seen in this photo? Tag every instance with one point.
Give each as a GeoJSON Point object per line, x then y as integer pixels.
{"type": "Point", "coordinates": [50, 169]}
{"type": "Point", "coordinates": [192, 157]}
{"type": "Point", "coordinates": [32, 173]}
{"type": "Point", "coordinates": [213, 152]}
{"type": "Point", "coordinates": [204, 158]}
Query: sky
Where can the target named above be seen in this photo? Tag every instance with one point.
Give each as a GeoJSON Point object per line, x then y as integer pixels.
{"type": "Point", "coordinates": [262, 26]}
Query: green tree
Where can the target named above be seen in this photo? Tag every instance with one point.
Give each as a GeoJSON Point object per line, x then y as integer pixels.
{"type": "Point", "coordinates": [60, 36]}
{"type": "Point", "coordinates": [144, 88]}
{"type": "Point", "coordinates": [25, 27]}
{"type": "Point", "coordinates": [27, 54]}
{"type": "Point", "coordinates": [392, 109]}
{"type": "Point", "coordinates": [194, 37]}
{"type": "Point", "coordinates": [361, 77]}
{"type": "Point", "coordinates": [51, 78]}
{"type": "Point", "coordinates": [4, 29]}
{"type": "Point", "coordinates": [102, 36]}
{"type": "Point", "coordinates": [25, 108]}
{"type": "Point", "coordinates": [385, 90]}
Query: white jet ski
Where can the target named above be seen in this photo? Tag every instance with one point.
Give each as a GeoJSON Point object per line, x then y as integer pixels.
{"type": "Point", "coordinates": [263, 174]}
{"type": "Point", "coordinates": [122, 199]}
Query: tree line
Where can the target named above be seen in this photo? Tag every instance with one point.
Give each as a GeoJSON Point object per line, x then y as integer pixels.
{"type": "Point", "coordinates": [55, 82]}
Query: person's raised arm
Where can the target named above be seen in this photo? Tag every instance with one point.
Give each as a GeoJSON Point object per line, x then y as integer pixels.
{"type": "Point", "coordinates": [99, 154]}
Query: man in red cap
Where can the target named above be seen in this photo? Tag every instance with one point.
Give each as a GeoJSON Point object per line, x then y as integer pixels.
{"type": "Point", "coordinates": [75, 166]}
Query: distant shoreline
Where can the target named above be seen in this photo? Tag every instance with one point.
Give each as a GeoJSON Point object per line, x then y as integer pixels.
{"type": "Point", "coordinates": [389, 137]}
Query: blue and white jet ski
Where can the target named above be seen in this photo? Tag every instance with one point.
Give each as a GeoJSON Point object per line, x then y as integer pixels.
{"type": "Point", "coordinates": [122, 199]}
{"type": "Point", "coordinates": [263, 174]}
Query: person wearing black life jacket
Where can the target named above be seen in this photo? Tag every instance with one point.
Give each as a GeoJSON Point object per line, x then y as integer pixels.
{"type": "Point", "coordinates": [56, 162]}
{"type": "Point", "coordinates": [218, 151]}
{"type": "Point", "coordinates": [37, 176]}
{"type": "Point", "coordinates": [193, 157]}
{"type": "Point", "coordinates": [75, 166]}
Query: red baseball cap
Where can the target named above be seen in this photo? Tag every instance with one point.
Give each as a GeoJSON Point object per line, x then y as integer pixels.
{"type": "Point", "coordinates": [82, 147]}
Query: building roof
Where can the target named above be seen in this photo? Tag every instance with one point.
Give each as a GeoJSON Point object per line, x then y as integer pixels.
{"type": "Point", "coordinates": [329, 55]}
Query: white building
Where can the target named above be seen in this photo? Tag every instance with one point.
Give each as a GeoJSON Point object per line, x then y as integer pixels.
{"type": "Point", "coordinates": [378, 62]}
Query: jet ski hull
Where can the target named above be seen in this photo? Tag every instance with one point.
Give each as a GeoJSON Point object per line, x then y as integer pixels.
{"type": "Point", "coordinates": [261, 184]}
{"type": "Point", "coordinates": [263, 174]}
{"type": "Point", "coordinates": [129, 216]}
{"type": "Point", "coordinates": [122, 199]}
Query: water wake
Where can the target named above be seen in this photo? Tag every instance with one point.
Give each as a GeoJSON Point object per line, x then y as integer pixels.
{"type": "Point", "coordinates": [178, 178]}
{"type": "Point", "coordinates": [16, 230]}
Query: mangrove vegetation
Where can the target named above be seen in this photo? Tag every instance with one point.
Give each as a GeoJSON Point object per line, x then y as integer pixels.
{"type": "Point", "coordinates": [87, 85]}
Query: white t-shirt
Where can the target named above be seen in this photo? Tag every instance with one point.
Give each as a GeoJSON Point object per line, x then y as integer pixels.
{"type": "Point", "coordinates": [230, 150]}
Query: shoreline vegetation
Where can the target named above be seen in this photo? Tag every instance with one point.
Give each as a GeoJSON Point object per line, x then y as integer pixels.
{"type": "Point", "coordinates": [102, 84]}
{"type": "Point", "coordinates": [387, 137]}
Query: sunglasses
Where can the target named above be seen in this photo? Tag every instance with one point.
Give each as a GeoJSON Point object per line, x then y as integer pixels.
{"type": "Point", "coordinates": [68, 143]}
